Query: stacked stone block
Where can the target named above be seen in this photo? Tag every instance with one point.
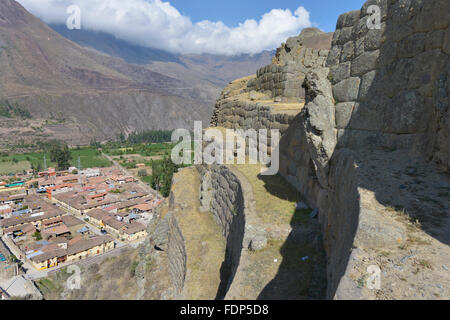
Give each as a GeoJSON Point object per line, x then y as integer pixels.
{"type": "Point", "coordinates": [285, 80]}
{"type": "Point", "coordinates": [391, 84]}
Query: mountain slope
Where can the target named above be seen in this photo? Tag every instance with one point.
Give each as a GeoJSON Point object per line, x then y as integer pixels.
{"type": "Point", "coordinates": [216, 69]}
{"type": "Point", "coordinates": [89, 94]}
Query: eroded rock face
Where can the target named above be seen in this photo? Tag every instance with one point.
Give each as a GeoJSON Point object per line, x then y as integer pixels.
{"type": "Point", "coordinates": [387, 92]}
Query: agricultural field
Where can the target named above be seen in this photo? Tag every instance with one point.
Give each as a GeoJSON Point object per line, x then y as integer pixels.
{"type": "Point", "coordinates": [145, 153]}
{"type": "Point", "coordinates": [14, 163]}
{"type": "Point", "coordinates": [143, 150]}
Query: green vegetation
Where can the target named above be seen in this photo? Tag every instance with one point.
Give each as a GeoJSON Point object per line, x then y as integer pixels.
{"type": "Point", "coordinates": [133, 268]}
{"type": "Point", "coordinates": [149, 136]}
{"type": "Point", "coordinates": [37, 236]}
{"type": "Point", "coordinates": [89, 158]}
{"type": "Point", "coordinates": [12, 109]}
{"type": "Point", "coordinates": [142, 173]}
{"type": "Point", "coordinates": [145, 150]}
{"type": "Point", "coordinates": [162, 173]}
{"type": "Point", "coordinates": [275, 198]}
{"type": "Point", "coordinates": [61, 155]}
{"type": "Point", "coordinates": [46, 286]}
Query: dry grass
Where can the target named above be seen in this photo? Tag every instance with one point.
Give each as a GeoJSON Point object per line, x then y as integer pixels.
{"type": "Point", "coordinates": [204, 242]}
{"type": "Point", "coordinates": [11, 167]}
{"type": "Point", "coordinates": [275, 198]}
{"type": "Point", "coordinates": [112, 279]}
{"type": "Point", "coordinates": [279, 272]}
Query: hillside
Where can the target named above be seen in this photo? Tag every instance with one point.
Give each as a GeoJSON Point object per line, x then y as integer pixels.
{"type": "Point", "coordinates": [82, 93]}
{"type": "Point", "coordinates": [212, 71]}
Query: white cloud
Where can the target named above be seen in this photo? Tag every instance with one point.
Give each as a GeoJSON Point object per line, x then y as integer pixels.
{"type": "Point", "coordinates": [157, 24]}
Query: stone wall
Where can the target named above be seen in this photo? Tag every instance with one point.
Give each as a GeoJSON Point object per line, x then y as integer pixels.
{"type": "Point", "coordinates": [166, 236]}
{"type": "Point", "coordinates": [284, 77]}
{"type": "Point", "coordinates": [286, 81]}
{"type": "Point", "coordinates": [391, 84]}
{"type": "Point", "coordinates": [245, 103]}
{"type": "Point", "coordinates": [222, 195]}
{"type": "Point", "coordinates": [382, 90]}
{"type": "Point", "coordinates": [238, 114]}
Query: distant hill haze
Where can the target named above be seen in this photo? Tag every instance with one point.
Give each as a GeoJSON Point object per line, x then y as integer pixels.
{"type": "Point", "coordinates": [76, 93]}
{"type": "Point", "coordinates": [82, 84]}
{"type": "Point", "coordinates": [216, 69]}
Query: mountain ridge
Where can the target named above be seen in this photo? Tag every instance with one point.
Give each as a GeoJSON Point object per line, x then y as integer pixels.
{"type": "Point", "coordinates": [91, 95]}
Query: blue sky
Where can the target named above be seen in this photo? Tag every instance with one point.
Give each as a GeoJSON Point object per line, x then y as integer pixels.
{"type": "Point", "coordinates": [324, 13]}
{"type": "Point", "coordinates": [198, 26]}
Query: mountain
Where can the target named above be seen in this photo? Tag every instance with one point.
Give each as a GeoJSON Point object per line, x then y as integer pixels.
{"type": "Point", "coordinates": [218, 69]}
{"type": "Point", "coordinates": [75, 93]}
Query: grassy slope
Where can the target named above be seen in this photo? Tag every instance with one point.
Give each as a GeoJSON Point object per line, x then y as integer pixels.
{"type": "Point", "coordinates": [278, 271]}
{"type": "Point", "coordinates": [205, 245]}
{"type": "Point", "coordinates": [113, 279]}
{"type": "Point", "coordinates": [275, 198]}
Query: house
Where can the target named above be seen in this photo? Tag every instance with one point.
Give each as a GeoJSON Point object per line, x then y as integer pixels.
{"type": "Point", "coordinates": [5, 210]}
{"type": "Point", "coordinates": [133, 231]}
{"type": "Point", "coordinates": [52, 222]}
{"type": "Point", "coordinates": [142, 207]}
{"type": "Point", "coordinates": [20, 230]}
{"type": "Point", "coordinates": [89, 173]}
{"type": "Point", "coordinates": [111, 209]}
{"type": "Point", "coordinates": [112, 224]}
{"type": "Point", "coordinates": [96, 216]}
{"type": "Point", "coordinates": [51, 172]}
{"type": "Point", "coordinates": [72, 222]}
{"type": "Point", "coordinates": [35, 218]}
{"type": "Point", "coordinates": [76, 250]}
{"type": "Point", "coordinates": [61, 188]}
{"type": "Point", "coordinates": [56, 231]}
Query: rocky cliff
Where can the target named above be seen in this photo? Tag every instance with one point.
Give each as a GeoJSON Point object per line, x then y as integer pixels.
{"type": "Point", "coordinates": [370, 147]}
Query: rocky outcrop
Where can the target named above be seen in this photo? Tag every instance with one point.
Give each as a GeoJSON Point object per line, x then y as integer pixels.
{"type": "Point", "coordinates": [368, 150]}
{"type": "Point", "coordinates": [378, 105]}
{"type": "Point", "coordinates": [272, 97]}
{"type": "Point", "coordinates": [387, 94]}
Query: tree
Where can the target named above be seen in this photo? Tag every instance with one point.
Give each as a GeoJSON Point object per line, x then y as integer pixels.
{"type": "Point", "coordinates": [61, 155]}
{"type": "Point", "coordinates": [95, 144]}
{"type": "Point", "coordinates": [142, 173]}
{"type": "Point", "coordinates": [37, 236]}
{"type": "Point", "coordinates": [162, 174]}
